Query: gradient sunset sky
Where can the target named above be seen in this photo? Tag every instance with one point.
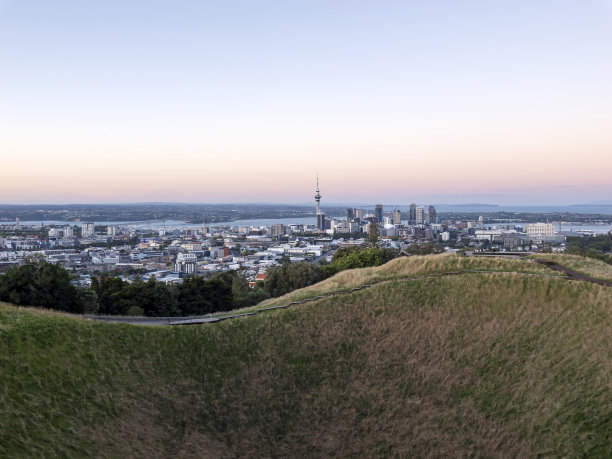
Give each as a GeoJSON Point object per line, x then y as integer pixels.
{"type": "Point", "coordinates": [506, 102]}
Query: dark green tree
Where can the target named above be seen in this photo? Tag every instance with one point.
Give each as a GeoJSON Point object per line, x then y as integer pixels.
{"type": "Point", "coordinates": [193, 297]}
{"type": "Point", "coordinates": [156, 299]}
{"type": "Point", "coordinates": [359, 257]}
{"type": "Point", "coordinates": [38, 283]}
{"type": "Point", "coordinates": [89, 299]}
{"type": "Point", "coordinates": [110, 295]}
{"type": "Point", "coordinates": [288, 277]}
{"type": "Point", "coordinates": [219, 291]}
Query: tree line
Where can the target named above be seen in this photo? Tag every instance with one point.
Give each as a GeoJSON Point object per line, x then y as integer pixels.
{"type": "Point", "coordinates": [42, 284]}
{"type": "Point", "coordinates": [47, 285]}
{"type": "Point", "coordinates": [283, 279]}
{"type": "Point", "coordinates": [598, 246]}
{"type": "Point", "coordinates": [193, 296]}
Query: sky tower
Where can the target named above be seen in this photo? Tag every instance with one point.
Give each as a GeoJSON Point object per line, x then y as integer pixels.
{"type": "Point", "coordinates": [318, 197]}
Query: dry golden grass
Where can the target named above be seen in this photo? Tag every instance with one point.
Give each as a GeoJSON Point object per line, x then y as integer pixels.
{"type": "Point", "coordinates": [409, 266]}
{"type": "Point", "coordinates": [582, 265]}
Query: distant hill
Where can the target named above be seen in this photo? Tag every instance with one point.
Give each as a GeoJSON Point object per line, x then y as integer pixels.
{"type": "Point", "coordinates": [506, 360]}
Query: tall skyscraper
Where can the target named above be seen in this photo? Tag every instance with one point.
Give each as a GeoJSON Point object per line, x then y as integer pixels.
{"type": "Point", "coordinates": [378, 212]}
{"type": "Point", "coordinates": [433, 215]}
{"type": "Point", "coordinates": [321, 221]}
{"type": "Point", "coordinates": [397, 217]}
{"type": "Point", "coordinates": [420, 215]}
{"type": "Point", "coordinates": [359, 214]}
{"type": "Point", "coordinates": [350, 214]}
{"type": "Point", "coordinates": [412, 214]}
{"type": "Point", "coordinates": [277, 231]}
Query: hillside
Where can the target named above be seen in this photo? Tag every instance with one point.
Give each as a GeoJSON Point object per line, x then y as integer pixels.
{"type": "Point", "coordinates": [478, 363]}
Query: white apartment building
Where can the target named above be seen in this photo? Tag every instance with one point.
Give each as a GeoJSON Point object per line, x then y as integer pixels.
{"type": "Point", "coordinates": [489, 235]}
{"type": "Point", "coordinates": [540, 230]}
{"type": "Point", "coordinates": [87, 230]}
{"type": "Point", "coordinates": [186, 263]}
{"type": "Point", "coordinates": [192, 246]}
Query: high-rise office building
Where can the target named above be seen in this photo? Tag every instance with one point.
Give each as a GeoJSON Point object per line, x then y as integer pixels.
{"type": "Point", "coordinates": [420, 215]}
{"type": "Point", "coordinates": [350, 214]}
{"type": "Point", "coordinates": [378, 212]}
{"type": "Point", "coordinates": [397, 217]}
{"type": "Point", "coordinates": [321, 221]}
{"type": "Point", "coordinates": [412, 214]}
{"type": "Point", "coordinates": [433, 215]}
{"type": "Point", "coordinates": [277, 230]}
{"type": "Point", "coordinates": [359, 214]}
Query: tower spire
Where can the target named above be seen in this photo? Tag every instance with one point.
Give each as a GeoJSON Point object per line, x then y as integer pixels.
{"type": "Point", "coordinates": [318, 196]}
{"type": "Point", "coordinates": [320, 215]}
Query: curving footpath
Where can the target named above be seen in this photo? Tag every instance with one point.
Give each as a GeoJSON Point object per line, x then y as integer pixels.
{"type": "Point", "coordinates": [568, 274]}
{"type": "Point", "coordinates": [573, 274]}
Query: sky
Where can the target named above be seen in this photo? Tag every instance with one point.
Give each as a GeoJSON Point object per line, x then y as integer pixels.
{"type": "Point", "coordinates": [501, 102]}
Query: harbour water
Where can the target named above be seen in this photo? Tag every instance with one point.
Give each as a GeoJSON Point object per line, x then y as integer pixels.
{"type": "Point", "coordinates": [157, 225]}
{"type": "Point", "coordinates": [176, 224]}
{"type": "Point", "coordinates": [565, 227]}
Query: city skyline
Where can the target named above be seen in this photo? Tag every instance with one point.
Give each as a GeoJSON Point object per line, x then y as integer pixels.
{"type": "Point", "coordinates": [504, 103]}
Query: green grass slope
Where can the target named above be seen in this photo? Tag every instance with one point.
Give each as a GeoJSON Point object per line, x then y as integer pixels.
{"type": "Point", "coordinates": [475, 364]}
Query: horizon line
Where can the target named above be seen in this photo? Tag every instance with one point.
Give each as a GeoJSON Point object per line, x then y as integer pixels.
{"type": "Point", "coordinates": [303, 203]}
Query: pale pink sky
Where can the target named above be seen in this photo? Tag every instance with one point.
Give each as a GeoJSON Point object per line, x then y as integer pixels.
{"type": "Point", "coordinates": [499, 102]}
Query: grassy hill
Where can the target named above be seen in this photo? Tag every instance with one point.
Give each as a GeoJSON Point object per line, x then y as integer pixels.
{"type": "Point", "coordinates": [481, 363]}
{"type": "Point", "coordinates": [588, 266]}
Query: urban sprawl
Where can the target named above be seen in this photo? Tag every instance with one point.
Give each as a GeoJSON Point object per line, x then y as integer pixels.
{"type": "Point", "coordinates": [169, 254]}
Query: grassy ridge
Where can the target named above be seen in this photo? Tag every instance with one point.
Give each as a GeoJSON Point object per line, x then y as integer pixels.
{"type": "Point", "coordinates": [410, 266]}
{"type": "Point", "coordinates": [587, 266]}
{"type": "Point", "coordinates": [471, 365]}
